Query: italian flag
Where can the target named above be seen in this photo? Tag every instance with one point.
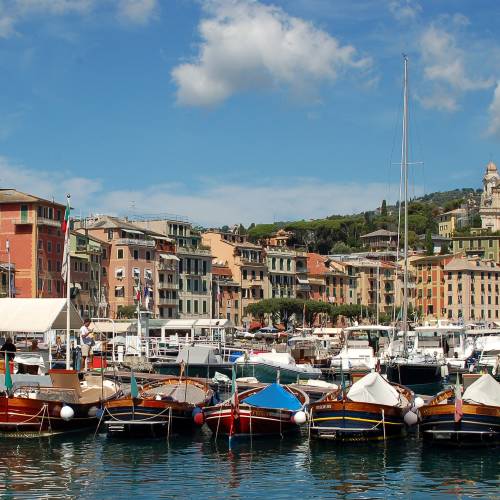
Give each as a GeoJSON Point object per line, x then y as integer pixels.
{"type": "Point", "coordinates": [65, 229]}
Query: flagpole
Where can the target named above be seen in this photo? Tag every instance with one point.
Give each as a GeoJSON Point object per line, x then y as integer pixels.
{"type": "Point", "coordinates": [68, 292]}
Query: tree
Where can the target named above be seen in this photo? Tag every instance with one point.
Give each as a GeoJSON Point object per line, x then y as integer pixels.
{"type": "Point", "coordinates": [313, 308]}
{"type": "Point", "coordinates": [127, 312]}
{"type": "Point", "coordinates": [340, 247]}
{"type": "Point", "coordinates": [444, 249]}
{"type": "Point", "coordinates": [429, 245]}
{"type": "Point", "coordinates": [280, 309]}
{"type": "Point", "coordinates": [383, 210]}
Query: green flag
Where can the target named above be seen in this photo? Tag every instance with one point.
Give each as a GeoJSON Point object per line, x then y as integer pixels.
{"type": "Point", "coordinates": [134, 390]}
{"type": "Point", "coordinates": [8, 378]}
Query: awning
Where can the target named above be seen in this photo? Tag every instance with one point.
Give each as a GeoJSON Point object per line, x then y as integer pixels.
{"type": "Point", "coordinates": [162, 238]}
{"type": "Point", "coordinates": [36, 315]}
{"type": "Point", "coordinates": [119, 288]}
{"type": "Point", "coordinates": [133, 231]}
{"type": "Point", "coordinates": [303, 281]}
{"type": "Point", "coordinates": [169, 256]}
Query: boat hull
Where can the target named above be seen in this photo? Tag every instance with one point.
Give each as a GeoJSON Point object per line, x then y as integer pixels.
{"type": "Point", "coordinates": [413, 373]}
{"type": "Point", "coordinates": [193, 370]}
{"type": "Point", "coordinates": [139, 417]}
{"type": "Point", "coordinates": [21, 416]}
{"type": "Point", "coordinates": [344, 421]}
{"type": "Point", "coordinates": [251, 421]}
{"type": "Point", "coordinates": [479, 425]}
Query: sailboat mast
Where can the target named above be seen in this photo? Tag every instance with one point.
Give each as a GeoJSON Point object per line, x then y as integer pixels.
{"type": "Point", "coordinates": [404, 167]}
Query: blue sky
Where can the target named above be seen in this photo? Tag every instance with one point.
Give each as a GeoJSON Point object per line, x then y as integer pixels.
{"type": "Point", "coordinates": [242, 111]}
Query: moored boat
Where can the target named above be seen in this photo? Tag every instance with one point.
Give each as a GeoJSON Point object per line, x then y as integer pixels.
{"type": "Point", "coordinates": [273, 410]}
{"type": "Point", "coordinates": [372, 409]}
{"type": "Point", "coordinates": [160, 408]}
{"type": "Point", "coordinates": [471, 418]}
{"type": "Point", "coordinates": [68, 405]}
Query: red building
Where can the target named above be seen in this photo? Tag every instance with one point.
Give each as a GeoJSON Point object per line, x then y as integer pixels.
{"type": "Point", "coordinates": [32, 226]}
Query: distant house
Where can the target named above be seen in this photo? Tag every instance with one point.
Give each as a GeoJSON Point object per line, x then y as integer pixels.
{"type": "Point", "coordinates": [382, 239]}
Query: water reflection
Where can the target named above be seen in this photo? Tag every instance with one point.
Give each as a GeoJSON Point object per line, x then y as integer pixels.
{"type": "Point", "coordinates": [190, 467]}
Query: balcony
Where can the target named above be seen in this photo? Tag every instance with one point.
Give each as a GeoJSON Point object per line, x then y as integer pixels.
{"type": "Point", "coordinates": [43, 221]}
{"type": "Point", "coordinates": [163, 266]}
{"type": "Point", "coordinates": [194, 251]}
{"type": "Point", "coordinates": [250, 262]}
{"type": "Point", "coordinates": [165, 285]}
{"type": "Point", "coordinates": [88, 249]}
{"type": "Point", "coordinates": [304, 288]}
{"type": "Point", "coordinates": [168, 302]}
{"type": "Point", "coordinates": [135, 242]}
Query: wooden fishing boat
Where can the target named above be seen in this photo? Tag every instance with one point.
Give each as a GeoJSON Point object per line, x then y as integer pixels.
{"type": "Point", "coordinates": [372, 409]}
{"type": "Point", "coordinates": [70, 404]}
{"type": "Point", "coordinates": [273, 410]}
{"type": "Point", "coordinates": [160, 408]}
{"type": "Point", "coordinates": [469, 419]}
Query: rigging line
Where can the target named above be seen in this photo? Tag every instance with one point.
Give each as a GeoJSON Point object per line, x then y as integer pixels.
{"type": "Point", "coordinates": [397, 121]}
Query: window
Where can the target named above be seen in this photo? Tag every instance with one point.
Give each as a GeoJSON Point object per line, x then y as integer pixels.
{"type": "Point", "coordinates": [204, 285]}
{"type": "Point", "coordinates": [136, 273]}
{"type": "Point", "coordinates": [245, 274]}
{"type": "Point", "coordinates": [196, 284]}
{"type": "Point", "coordinates": [180, 305]}
{"type": "Point", "coordinates": [49, 265]}
{"type": "Point", "coordinates": [196, 266]}
{"type": "Point", "coordinates": [40, 266]}
{"type": "Point", "coordinates": [253, 274]}
{"type": "Point", "coordinates": [58, 266]}
{"type": "Point", "coordinates": [204, 307]}
{"type": "Point", "coordinates": [261, 275]}
{"type": "Point", "coordinates": [188, 306]}
{"type": "Point", "coordinates": [40, 245]}
{"type": "Point", "coordinates": [288, 264]}
{"type": "Point", "coordinates": [281, 264]}
{"type": "Point", "coordinates": [273, 263]}
{"type": "Point", "coordinates": [58, 286]}
{"type": "Point", "coordinates": [119, 291]}
{"type": "Point", "coordinates": [188, 284]}
{"type": "Point", "coordinates": [110, 234]}
{"type": "Point", "coordinates": [148, 274]}
{"type": "Point", "coordinates": [136, 254]}
{"type": "Point", "coordinates": [195, 303]}
{"type": "Point", "coordinates": [261, 293]}
{"type": "Point", "coordinates": [119, 273]}
{"type": "Point", "coordinates": [204, 267]}
{"type": "Point", "coordinates": [119, 253]}
{"type": "Point", "coordinates": [148, 255]}
{"type": "Point", "coordinates": [49, 246]}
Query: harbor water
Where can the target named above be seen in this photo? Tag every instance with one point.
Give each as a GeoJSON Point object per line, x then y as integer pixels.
{"type": "Point", "coordinates": [79, 466]}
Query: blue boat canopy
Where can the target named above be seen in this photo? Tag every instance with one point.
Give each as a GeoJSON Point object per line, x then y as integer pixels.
{"type": "Point", "coordinates": [274, 396]}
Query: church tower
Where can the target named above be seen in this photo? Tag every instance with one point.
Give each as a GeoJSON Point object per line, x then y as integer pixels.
{"type": "Point", "coordinates": [489, 209]}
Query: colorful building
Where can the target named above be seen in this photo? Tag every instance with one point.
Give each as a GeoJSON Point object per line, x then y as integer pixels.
{"type": "Point", "coordinates": [32, 226]}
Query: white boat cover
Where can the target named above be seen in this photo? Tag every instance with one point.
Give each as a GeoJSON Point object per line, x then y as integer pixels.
{"type": "Point", "coordinates": [485, 390]}
{"type": "Point", "coordinates": [199, 354]}
{"type": "Point", "coordinates": [373, 388]}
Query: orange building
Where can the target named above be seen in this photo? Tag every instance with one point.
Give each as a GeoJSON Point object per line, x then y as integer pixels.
{"type": "Point", "coordinates": [226, 293]}
{"type": "Point", "coordinates": [32, 226]}
{"type": "Point", "coordinates": [430, 285]}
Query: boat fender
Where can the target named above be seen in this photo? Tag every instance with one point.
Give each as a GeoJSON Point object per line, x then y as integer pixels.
{"type": "Point", "coordinates": [99, 413]}
{"type": "Point", "coordinates": [299, 418]}
{"type": "Point", "coordinates": [158, 397]}
{"type": "Point", "coordinates": [419, 402]}
{"type": "Point", "coordinates": [198, 416]}
{"type": "Point", "coordinates": [67, 413]}
{"type": "Point", "coordinates": [93, 411]}
{"type": "Point", "coordinates": [410, 418]}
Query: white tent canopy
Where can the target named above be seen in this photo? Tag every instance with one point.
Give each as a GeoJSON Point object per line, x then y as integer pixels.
{"type": "Point", "coordinates": [36, 315]}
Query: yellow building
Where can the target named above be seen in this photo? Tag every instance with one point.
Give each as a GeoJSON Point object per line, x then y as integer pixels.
{"type": "Point", "coordinates": [449, 222]}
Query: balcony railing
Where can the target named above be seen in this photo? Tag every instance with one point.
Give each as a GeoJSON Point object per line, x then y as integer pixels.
{"type": "Point", "coordinates": [133, 241]}
{"type": "Point", "coordinates": [43, 221]}
{"type": "Point", "coordinates": [194, 251]}
{"type": "Point", "coordinates": [168, 302]}
{"type": "Point", "coordinates": [166, 267]}
{"type": "Point", "coordinates": [167, 285]}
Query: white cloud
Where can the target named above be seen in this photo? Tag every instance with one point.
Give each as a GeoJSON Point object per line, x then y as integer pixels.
{"type": "Point", "coordinates": [447, 67]}
{"type": "Point", "coordinates": [13, 12]}
{"type": "Point", "coordinates": [246, 44]}
{"type": "Point", "coordinates": [48, 184]}
{"type": "Point", "coordinates": [494, 110]}
{"type": "Point", "coordinates": [137, 11]}
{"type": "Point", "coordinates": [207, 203]}
{"type": "Point", "coordinates": [404, 10]}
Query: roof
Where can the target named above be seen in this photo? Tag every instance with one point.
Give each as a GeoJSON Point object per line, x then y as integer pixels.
{"type": "Point", "coordinates": [459, 264]}
{"type": "Point", "coordinates": [317, 264]}
{"type": "Point", "coordinates": [14, 196]}
{"type": "Point", "coordinates": [221, 271]}
{"type": "Point", "coordinates": [379, 232]}
{"type": "Point", "coordinates": [110, 222]}
{"type": "Point", "coordinates": [36, 315]}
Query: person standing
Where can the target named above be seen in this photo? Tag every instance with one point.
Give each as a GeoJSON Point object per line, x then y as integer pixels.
{"type": "Point", "coordinates": [9, 349]}
{"type": "Point", "coordinates": [86, 342]}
